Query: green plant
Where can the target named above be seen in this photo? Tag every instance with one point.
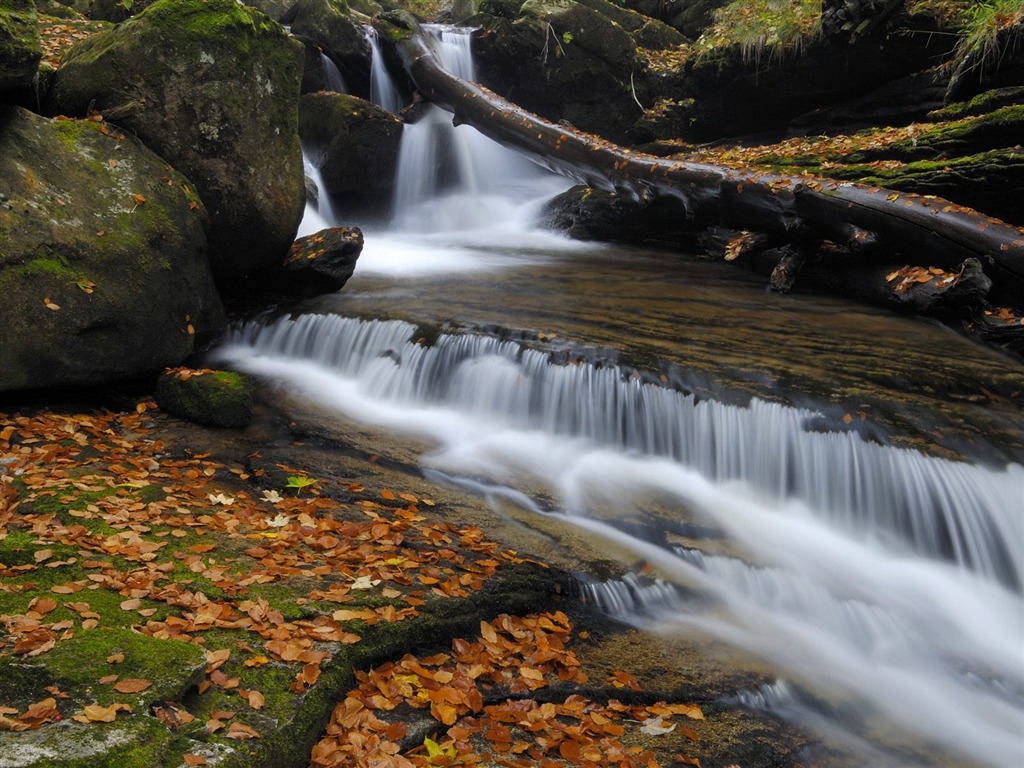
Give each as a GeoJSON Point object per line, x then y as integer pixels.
{"type": "Point", "coordinates": [756, 27]}
{"type": "Point", "coordinates": [567, 37]}
{"type": "Point", "coordinates": [298, 482]}
{"type": "Point", "coordinates": [984, 23]}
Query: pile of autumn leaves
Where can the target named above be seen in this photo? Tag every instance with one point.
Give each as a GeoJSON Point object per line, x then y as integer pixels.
{"type": "Point", "coordinates": [480, 696]}
{"type": "Point", "coordinates": [483, 690]}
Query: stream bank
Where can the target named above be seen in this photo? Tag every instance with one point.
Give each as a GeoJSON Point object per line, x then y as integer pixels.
{"type": "Point", "coordinates": [127, 531]}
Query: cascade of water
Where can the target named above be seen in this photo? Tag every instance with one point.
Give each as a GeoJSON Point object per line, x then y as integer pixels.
{"type": "Point", "coordinates": [942, 509]}
{"type": "Point", "coordinates": [383, 91]}
{"type": "Point", "coordinates": [889, 575]}
{"type": "Point", "coordinates": [319, 213]}
{"type": "Point", "coordinates": [332, 75]}
{"type": "Point", "coordinates": [452, 178]}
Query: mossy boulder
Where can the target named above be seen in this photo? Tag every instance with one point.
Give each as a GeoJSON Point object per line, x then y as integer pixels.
{"type": "Point", "coordinates": [213, 87]}
{"type": "Point", "coordinates": [564, 61]}
{"type": "Point", "coordinates": [275, 9]}
{"type": "Point", "coordinates": [355, 144]}
{"type": "Point", "coordinates": [210, 398]}
{"type": "Point", "coordinates": [103, 263]}
{"type": "Point", "coordinates": [75, 666]}
{"type": "Point", "coordinates": [20, 50]}
{"type": "Point", "coordinates": [329, 24]}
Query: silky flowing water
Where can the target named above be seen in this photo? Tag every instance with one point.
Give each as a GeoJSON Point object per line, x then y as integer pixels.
{"type": "Point", "coordinates": [833, 488]}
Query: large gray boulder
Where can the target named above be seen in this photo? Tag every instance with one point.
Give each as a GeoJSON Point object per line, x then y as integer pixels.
{"type": "Point", "coordinates": [103, 268]}
{"type": "Point", "coordinates": [212, 87]}
{"type": "Point", "coordinates": [19, 44]}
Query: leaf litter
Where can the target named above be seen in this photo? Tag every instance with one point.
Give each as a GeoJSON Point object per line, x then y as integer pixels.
{"type": "Point", "coordinates": [193, 517]}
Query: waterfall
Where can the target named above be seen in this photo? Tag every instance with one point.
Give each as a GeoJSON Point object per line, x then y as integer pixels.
{"type": "Point", "coordinates": [938, 508]}
{"type": "Point", "coordinates": [881, 580]}
{"type": "Point", "coordinates": [332, 75]}
{"type": "Point", "coordinates": [890, 576]}
{"type": "Point", "coordinates": [453, 179]}
{"type": "Point", "coordinates": [383, 92]}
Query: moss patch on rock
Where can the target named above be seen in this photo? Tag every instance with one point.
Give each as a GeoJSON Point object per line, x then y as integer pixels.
{"type": "Point", "coordinates": [20, 50]}
{"type": "Point", "coordinates": [212, 398]}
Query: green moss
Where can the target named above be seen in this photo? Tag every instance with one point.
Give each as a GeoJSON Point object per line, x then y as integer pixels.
{"type": "Point", "coordinates": [219, 399]}
{"type": "Point", "coordinates": [131, 741]}
{"type": "Point", "coordinates": [172, 666]}
{"type": "Point", "coordinates": [52, 266]}
{"type": "Point", "coordinates": [989, 101]}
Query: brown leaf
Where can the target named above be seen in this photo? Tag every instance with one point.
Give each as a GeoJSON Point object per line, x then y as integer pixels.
{"type": "Point", "coordinates": [191, 759]}
{"type": "Point", "coordinates": [132, 685]}
{"type": "Point", "coordinates": [95, 713]}
{"type": "Point", "coordinates": [241, 731]}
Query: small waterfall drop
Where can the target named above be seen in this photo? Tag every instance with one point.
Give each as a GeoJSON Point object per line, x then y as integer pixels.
{"type": "Point", "coordinates": [332, 75]}
{"type": "Point", "coordinates": [383, 92]}
{"type": "Point", "coordinates": [453, 178]}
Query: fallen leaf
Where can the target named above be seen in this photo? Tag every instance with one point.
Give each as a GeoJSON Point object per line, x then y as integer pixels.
{"type": "Point", "coordinates": [132, 685]}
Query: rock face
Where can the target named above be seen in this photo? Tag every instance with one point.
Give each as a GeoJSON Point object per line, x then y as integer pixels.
{"type": "Point", "coordinates": [19, 44]}
{"type": "Point", "coordinates": [103, 268]}
{"type": "Point", "coordinates": [355, 144]}
{"type": "Point", "coordinates": [564, 61]}
{"type": "Point", "coordinates": [328, 24]}
{"type": "Point", "coordinates": [212, 87]}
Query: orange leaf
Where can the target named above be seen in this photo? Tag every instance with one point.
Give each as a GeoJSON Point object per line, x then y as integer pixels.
{"type": "Point", "coordinates": [132, 685]}
{"type": "Point", "coordinates": [241, 731]}
{"type": "Point", "coordinates": [94, 713]}
{"type": "Point", "coordinates": [191, 759]}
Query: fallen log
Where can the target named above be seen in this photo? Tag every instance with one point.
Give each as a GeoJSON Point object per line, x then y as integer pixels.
{"type": "Point", "coordinates": [798, 209]}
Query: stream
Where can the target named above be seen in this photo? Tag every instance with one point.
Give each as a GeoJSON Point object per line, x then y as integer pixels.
{"type": "Point", "coordinates": [830, 487]}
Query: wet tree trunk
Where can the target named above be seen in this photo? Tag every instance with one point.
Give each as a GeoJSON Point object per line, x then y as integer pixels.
{"type": "Point", "coordinates": [858, 222]}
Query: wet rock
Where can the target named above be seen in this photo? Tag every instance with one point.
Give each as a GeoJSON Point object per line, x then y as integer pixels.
{"type": "Point", "coordinates": [355, 144]}
{"type": "Point", "coordinates": [563, 61]}
{"type": "Point", "coordinates": [329, 24]}
{"type": "Point", "coordinates": [592, 214]}
{"type": "Point", "coordinates": [210, 398]}
{"type": "Point", "coordinates": [103, 267]}
{"type": "Point", "coordinates": [319, 263]}
{"type": "Point", "coordinates": [275, 9]}
{"type": "Point", "coordinates": [657, 36]}
{"type": "Point", "coordinates": [19, 44]}
{"type": "Point", "coordinates": [212, 87]}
